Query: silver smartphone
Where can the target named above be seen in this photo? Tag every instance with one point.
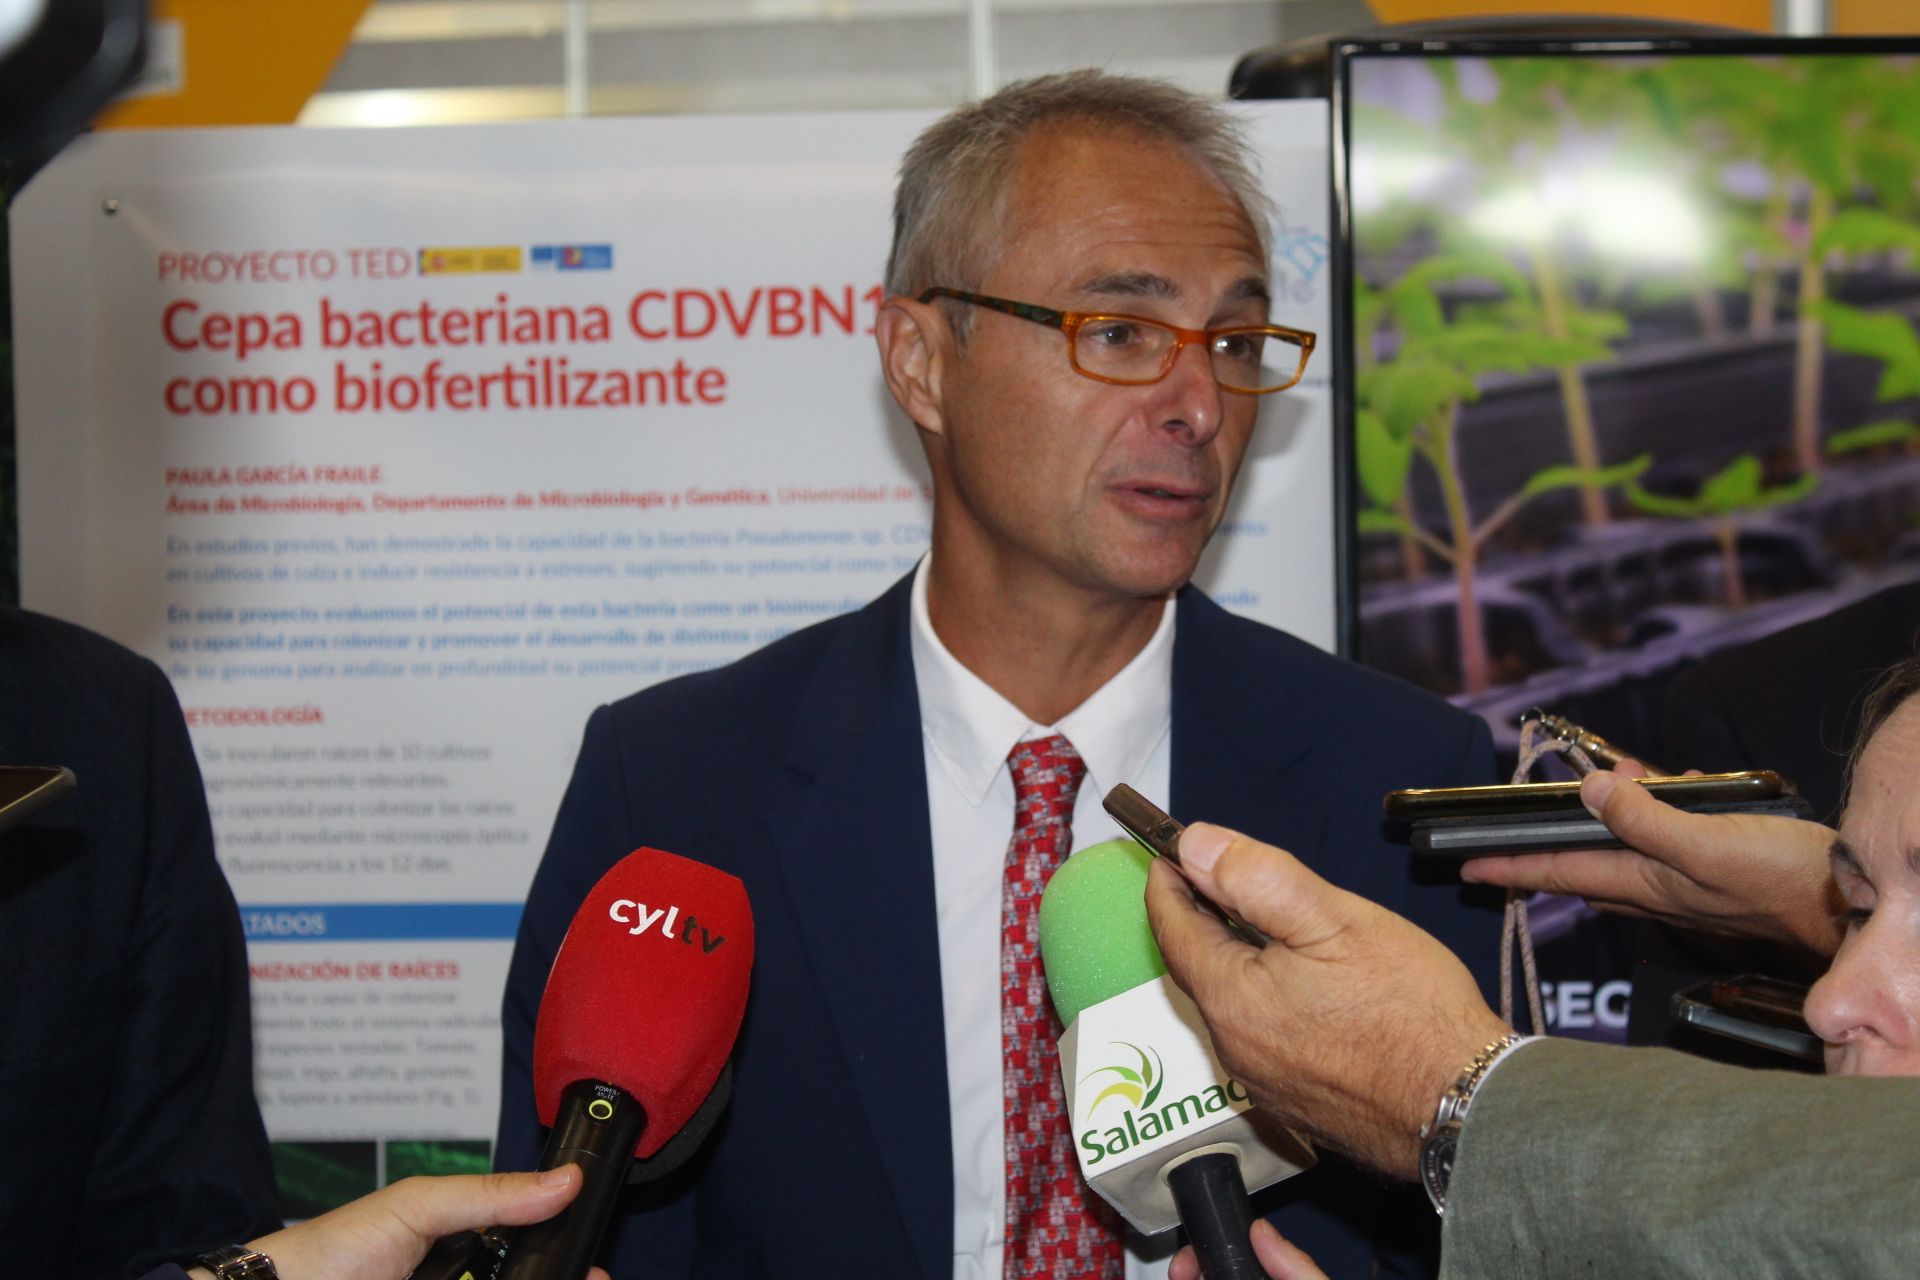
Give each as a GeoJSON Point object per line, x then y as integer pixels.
{"type": "Point", "coordinates": [1753, 1009]}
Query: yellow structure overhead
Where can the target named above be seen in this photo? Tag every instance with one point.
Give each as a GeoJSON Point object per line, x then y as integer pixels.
{"type": "Point", "coordinates": [1753, 15]}
{"type": "Point", "coordinates": [235, 61]}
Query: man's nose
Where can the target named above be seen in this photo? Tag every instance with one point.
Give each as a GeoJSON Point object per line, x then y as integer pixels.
{"type": "Point", "coordinates": [1195, 405]}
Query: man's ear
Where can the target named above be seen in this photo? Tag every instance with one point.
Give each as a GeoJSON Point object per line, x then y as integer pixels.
{"type": "Point", "coordinates": [915, 343]}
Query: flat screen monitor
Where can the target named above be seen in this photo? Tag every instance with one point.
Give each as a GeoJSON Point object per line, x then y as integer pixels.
{"type": "Point", "coordinates": [1628, 369]}
{"type": "Point", "coordinates": [1627, 374]}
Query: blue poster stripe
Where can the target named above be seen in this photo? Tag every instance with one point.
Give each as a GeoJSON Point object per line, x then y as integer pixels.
{"type": "Point", "coordinates": [378, 921]}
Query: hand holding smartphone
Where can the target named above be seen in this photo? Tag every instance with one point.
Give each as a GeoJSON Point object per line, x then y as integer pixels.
{"type": "Point", "coordinates": [1545, 817]}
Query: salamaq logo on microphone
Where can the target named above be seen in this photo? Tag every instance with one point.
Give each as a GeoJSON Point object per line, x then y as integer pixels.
{"type": "Point", "coordinates": [1141, 1087]}
{"type": "Point", "coordinates": [1145, 1088]}
{"type": "Point", "coordinates": [1141, 1121]}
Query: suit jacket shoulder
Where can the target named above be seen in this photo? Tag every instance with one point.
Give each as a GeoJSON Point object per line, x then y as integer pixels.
{"type": "Point", "coordinates": [1338, 700]}
{"type": "Point", "coordinates": [1586, 1160]}
{"type": "Point", "coordinates": [127, 976]}
{"type": "Point", "coordinates": [1299, 748]}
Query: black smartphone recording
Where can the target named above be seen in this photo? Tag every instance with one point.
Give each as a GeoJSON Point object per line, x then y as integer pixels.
{"type": "Point", "coordinates": [1545, 817]}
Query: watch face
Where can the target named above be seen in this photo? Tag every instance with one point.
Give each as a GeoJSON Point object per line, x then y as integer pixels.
{"type": "Point", "coordinates": [237, 1262]}
{"type": "Point", "coordinates": [1436, 1162]}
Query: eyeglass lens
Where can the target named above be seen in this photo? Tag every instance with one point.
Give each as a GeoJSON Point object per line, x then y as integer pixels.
{"type": "Point", "coordinates": [1135, 351]}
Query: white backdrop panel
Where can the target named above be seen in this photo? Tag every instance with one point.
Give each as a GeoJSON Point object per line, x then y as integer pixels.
{"type": "Point", "coordinates": [388, 617]}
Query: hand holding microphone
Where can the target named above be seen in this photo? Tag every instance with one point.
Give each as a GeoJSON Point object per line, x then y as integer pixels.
{"type": "Point", "coordinates": [1162, 1133]}
{"type": "Point", "coordinates": [1348, 1025]}
{"type": "Point", "coordinates": [1283, 1259]}
{"type": "Point", "coordinates": [384, 1236]}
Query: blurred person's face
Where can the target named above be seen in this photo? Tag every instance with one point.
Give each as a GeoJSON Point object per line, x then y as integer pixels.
{"type": "Point", "coordinates": [1867, 1007]}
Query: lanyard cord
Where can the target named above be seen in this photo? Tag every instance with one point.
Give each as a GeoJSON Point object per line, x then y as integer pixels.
{"type": "Point", "coordinates": [1513, 926]}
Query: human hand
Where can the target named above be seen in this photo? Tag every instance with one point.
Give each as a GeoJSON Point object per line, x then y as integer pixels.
{"type": "Point", "coordinates": [1740, 875]}
{"type": "Point", "coordinates": [1280, 1257]}
{"type": "Point", "coordinates": [1348, 1025]}
{"type": "Point", "coordinates": [384, 1236]}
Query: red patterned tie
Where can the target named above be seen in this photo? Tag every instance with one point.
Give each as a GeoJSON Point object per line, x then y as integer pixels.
{"type": "Point", "coordinates": [1054, 1229]}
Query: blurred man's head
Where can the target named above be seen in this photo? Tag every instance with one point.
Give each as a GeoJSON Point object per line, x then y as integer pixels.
{"type": "Point", "coordinates": [1867, 1007]}
{"type": "Point", "coordinates": [1086, 457]}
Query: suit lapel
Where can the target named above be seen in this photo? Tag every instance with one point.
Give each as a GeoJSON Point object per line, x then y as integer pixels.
{"type": "Point", "coordinates": [854, 847]}
{"type": "Point", "coordinates": [1242, 744]}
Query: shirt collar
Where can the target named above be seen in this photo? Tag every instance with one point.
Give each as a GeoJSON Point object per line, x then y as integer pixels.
{"type": "Point", "coordinates": [971, 727]}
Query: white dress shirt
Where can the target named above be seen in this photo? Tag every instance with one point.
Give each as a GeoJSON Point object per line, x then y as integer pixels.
{"type": "Point", "coordinates": [1123, 733]}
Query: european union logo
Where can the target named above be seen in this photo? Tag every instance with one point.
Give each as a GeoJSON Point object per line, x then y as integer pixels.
{"type": "Point", "coordinates": [573, 257]}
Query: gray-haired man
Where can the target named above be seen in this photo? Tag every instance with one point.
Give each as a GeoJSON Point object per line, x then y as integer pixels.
{"type": "Point", "coordinates": [1078, 329]}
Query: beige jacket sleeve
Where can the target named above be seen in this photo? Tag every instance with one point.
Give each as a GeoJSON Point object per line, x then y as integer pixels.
{"type": "Point", "coordinates": [1592, 1161]}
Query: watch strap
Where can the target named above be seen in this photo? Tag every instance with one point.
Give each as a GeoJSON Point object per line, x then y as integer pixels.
{"type": "Point", "coordinates": [1440, 1140]}
{"type": "Point", "coordinates": [237, 1262]}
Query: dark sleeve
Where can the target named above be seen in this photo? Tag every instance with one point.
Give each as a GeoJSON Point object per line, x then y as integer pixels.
{"type": "Point", "coordinates": [181, 1164]}
{"type": "Point", "coordinates": [592, 831]}
{"type": "Point", "coordinates": [169, 1271]}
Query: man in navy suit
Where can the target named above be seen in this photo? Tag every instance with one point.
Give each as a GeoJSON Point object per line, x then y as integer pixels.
{"type": "Point", "coordinates": [1077, 327]}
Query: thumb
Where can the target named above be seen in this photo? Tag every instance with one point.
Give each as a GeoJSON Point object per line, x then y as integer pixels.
{"type": "Point", "coordinates": [1641, 819]}
{"type": "Point", "coordinates": [434, 1207]}
{"type": "Point", "coordinates": [1283, 1259]}
{"type": "Point", "coordinates": [1265, 886]}
{"type": "Point", "coordinates": [1196, 946]}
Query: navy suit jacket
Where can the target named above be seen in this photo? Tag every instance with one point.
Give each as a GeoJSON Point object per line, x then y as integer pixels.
{"type": "Point", "coordinates": [801, 770]}
{"type": "Point", "coordinates": [127, 1116]}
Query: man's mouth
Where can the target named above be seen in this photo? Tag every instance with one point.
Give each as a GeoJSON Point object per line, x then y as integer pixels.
{"type": "Point", "coordinates": [1169, 489]}
{"type": "Point", "coordinates": [1167, 496]}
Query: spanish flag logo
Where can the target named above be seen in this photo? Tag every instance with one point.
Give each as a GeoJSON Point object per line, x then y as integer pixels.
{"type": "Point", "coordinates": [469, 259]}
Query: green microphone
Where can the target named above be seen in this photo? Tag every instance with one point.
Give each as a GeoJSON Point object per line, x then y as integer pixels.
{"type": "Point", "coordinates": [1094, 938]}
{"type": "Point", "coordinates": [1162, 1133]}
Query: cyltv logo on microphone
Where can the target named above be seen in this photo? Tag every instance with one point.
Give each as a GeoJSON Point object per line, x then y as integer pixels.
{"type": "Point", "coordinates": [1141, 1121]}
{"type": "Point", "coordinates": [641, 918]}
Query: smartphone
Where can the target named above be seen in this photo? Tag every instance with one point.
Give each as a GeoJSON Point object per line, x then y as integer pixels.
{"type": "Point", "coordinates": [1145, 821]}
{"type": "Point", "coordinates": [26, 789]}
{"type": "Point", "coordinates": [1530, 817]}
{"type": "Point", "coordinates": [1753, 1009]}
{"type": "Point", "coordinates": [1155, 828]}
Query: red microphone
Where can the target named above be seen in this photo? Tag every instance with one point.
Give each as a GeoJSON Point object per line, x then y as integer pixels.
{"type": "Point", "coordinates": [637, 1022]}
